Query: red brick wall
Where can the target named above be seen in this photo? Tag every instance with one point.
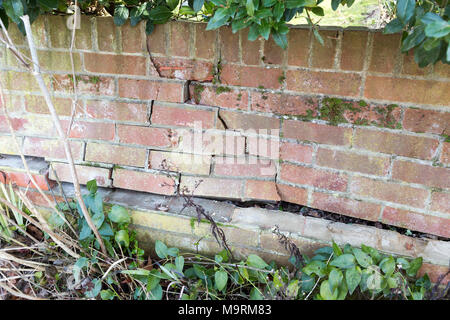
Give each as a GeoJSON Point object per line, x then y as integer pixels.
{"type": "Point", "coordinates": [377, 151]}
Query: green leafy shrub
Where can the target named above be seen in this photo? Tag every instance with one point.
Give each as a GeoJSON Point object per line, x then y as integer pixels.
{"type": "Point", "coordinates": [425, 24]}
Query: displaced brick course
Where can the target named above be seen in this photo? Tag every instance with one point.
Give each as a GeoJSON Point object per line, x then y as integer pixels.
{"type": "Point", "coordinates": [353, 127]}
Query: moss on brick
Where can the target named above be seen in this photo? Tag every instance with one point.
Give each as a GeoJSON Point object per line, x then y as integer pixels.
{"type": "Point", "coordinates": [198, 89]}
{"type": "Point", "coordinates": [221, 89]}
{"type": "Point", "coordinates": [333, 110]}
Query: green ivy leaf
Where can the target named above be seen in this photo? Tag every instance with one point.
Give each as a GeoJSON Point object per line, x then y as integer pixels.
{"type": "Point", "coordinates": [198, 4]}
{"type": "Point", "coordinates": [255, 294]}
{"type": "Point", "coordinates": [280, 39]}
{"type": "Point", "coordinates": [121, 14]}
{"type": "Point", "coordinates": [221, 279]}
{"type": "Point", "coordinates": [172, 4]}
{"type": "Point", "coordinates": [291, 4]}
{"type": "Point", "coordinates": [393, 26]}
{"type": "Point", "coordinates": [119, 214]}
{"type": "Point", "coordinates": [278, 11]}
{"type": "Point", "coordinates": [414, 266]}
{"type": "Point", "coordinates": [318, 11]}
{"type": "Point", "coordinates": [107, 294]}
{"type": "Point", "coordinates": [14, 9]}
{"type": "Point", "coordinates": [336, 250]}
{"type": "Point", "coordinates": [95, 290]}
{"type": "Point", "coordinates": [250, 7]}
{"type": "Point", "coordinates": [335, 4]}
{"type": "Point", "coordinates": [326, 293]}
{"type": "Point", "coordinates": [387, 265]}
{"type": "Point", "coordinates": [161, 249]}
{"type": "Point", "coordinates": [437, 29]}
{"type": "Point", "coordinates": [219, 19]}
{"type": "Point", "coordinates": [335, 278]}
{"type": "Point", "coordinates": [414, 38]}
{"type": "Point", "coordinates": [268, 3]}
{"type": "Point", "coordinates": [122, 238]}
{"type": "Point", "coordinates": [352, 278]}
{"type": "Point", "coordinates": [315, 267]}
{"type": "Point", "coordinates": [81, 263]}
{"type": "Point", "coordinates": [179, 263]}
{"type": "Point", "coordinates": [405, 10]}
{"type": "Point", "coordinates": [160, 14]}
{"type": "Point", "coordinates": [344, 261]}
{"type": "Point", "coordinates": [363, 259]}
{"type": "Point", "coordinates": [255, 261]}
{"type": "Point", "coordinates": [48, 4]}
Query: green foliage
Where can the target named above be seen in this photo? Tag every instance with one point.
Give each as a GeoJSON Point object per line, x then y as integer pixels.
{"type": "Point", "coordinates": [425, 24]}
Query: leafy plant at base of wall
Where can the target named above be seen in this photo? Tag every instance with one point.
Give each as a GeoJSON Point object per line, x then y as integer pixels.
{"type": "Point", "coordinates": [425, 24]}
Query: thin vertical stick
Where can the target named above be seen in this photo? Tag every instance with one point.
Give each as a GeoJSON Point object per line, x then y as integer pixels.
{"type": "Point", "coordinates": [62, 136]}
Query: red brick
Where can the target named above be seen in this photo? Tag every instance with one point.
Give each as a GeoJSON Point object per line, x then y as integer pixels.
{"type": "Point", "coordinates": [296, 152]}
{"type": "Point", "coordinates": [320, 133]}
{"type": "Point", "coordinates": [205, 42]}
{"type": "Point", "coordinates": [143, 181]}
{"type": "Point", "coordinates": [346, 160]}
{"type": "Point", "coordinates": [133, 38]}
{"type": "Point", "coordinates": [434, 272]}
{"type": "Point", "coordinates": [283, 103]}
{"type": "Point", "coordinates": [84, 174]}
{"type": "Point", "coordinates": [411, 67]}
{"type": "Point", "coordinates": [262, 190]}
{"type": "Point", "coordinates": [21, 179]}
{"type": "Point", "coordinates": [273, 53]}
{"type": "Point", "coordinates": [229, 45]}
{"type": "Point", "coordinates": [314, 177]}
{"type": "Point", "coordinates": [146, 136]}
{"type": "Point", "coordinates": [184, 69]}
{"type": "Point", "coordinates": [37, 199]}
{"type": "Point", "coordinates": [29, 124]}
{"type": "Point", "coordinates": [306, 81]}
{"type": "Point", "coordinates": [185, 117]}
{"type": "Point", "coordinates": [244, 167]}
{"type": "Point", "coordinates": [421, 174]}
{"type": "Point", "coordinates": [417, 221]}
{"type": "Point", "coordinates": [244, 121]}
{"type": "Point", "coordinates": [212, 187]}
{"type": "Point", "coordinates": [441, 70]}
{"type": "Point", "coordinates": [54, 149]}
{"type": "Point", "coordinates": [37, 104]}
{"type": "Point", "coordinates": [323, 55]}
{"type": "Point", "coordinates": [346, 206]}
{"type": "Point", "coordinates": [440, 201]}
{"type": "Point", "coordinates": [264, 147]}
{"type": "Point", "coordinates": [389, 191]}
{"type": "Point", "coordinates": [407, 90]}
{"type": "Point", "coordinates": [179, 38]}
{"type": "Point", "coordinates": [292, 194]}
{"type": "Point", "coordinates": [152, 90]}
{"type": "Point", "coordinates": [119, 111]}
{"type": "Point", "coordinates": [257, 77]}
{"type": "Point", "coordinates": [298, 48]}
{"type": "Point", "coordinates": [421, 120]}
{"type": "Point", "coordinates": [445, 155]}
{"type": "Point", "coordinates": [114, 63]}
{"type": "Point", "coordinates": [180, 162]}
{"type": "Point", "coordinates": [396, 143]}
{"type": "Point", "coordinates": [212, 143]}
{"type": "Point", "coordinates": [210, 96]}
{"type": "Point", "coordinates": [120, 155]}
{"type": "Point", "coordinates": [85, 84]}
{"type": "Point", "coordinates": [386, 49]}
{"type": "Point", "coordinates": [353, 50]}
{"type": "Point", "coordinates": [107, 34]}
{"type": "Point", "coordinates": [90, 130]}
{"type": "Point", "coordinates": [156, 41]}
{"type": "Point", "coordinates": [251, 50]}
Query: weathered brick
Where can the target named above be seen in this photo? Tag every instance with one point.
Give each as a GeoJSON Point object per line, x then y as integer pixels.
{"type": "Point", "coordinates": [146, 136]}
{"type": "Point", "coordinates": [212, 187]}
{"type": "Point", "coordinates": [298, 47]}
{"type": "Point", "coordinates": [48, 148]}
{"type": "Point", "coordinates": [244, 121]}
{"type": "Point", "coordinates": [37, 104]}
{"type": "Point", "coordinates": [445, 155]}
{"type": "Point", "coordinates": [156, 41]}
{"type": "Point", "coordinates": [21, 179]}
{"type": "Point", "coordinates": [386, 49]}
{"type": "Point", "coordinates": [8, 146]}
{"type": "Point", "coordinates": [205, 42]}
{"type": "Point", "coordinates": [21, 81]}
{"type": "Point", "coordinates": [143, 181]}
{"type": "Point", "coordinates": [29, 124]}
{"type": "Point", "coordinates": [58, 61]}
{"type": "Point", "coordinates": [85, 84]}
{"type": "Point", "coordinates": [434, 272]}
{"type": "Point", "coordinates": [263, 190]}
{"type": "Point", "coordinates": [90, 130]}
{"type": "Point", "coordinates": [296, 152]}
{"type": "Point", "coordinates": [37, 199]}
{"type": "Point", "coordinates": [314, 177]}
{"type": "Point", "coordinates": [389, 191]}
{"type": "Point", "coordinates": [264, 147]}
{"type": "Point", "coordinates": [185, 117]}
{"type": "Point", "coordinates": [120, 155]}
{"type": "Point", "coordinates": [273, 53]}
{"type": "Point", "coordinates": [440, 201]}
{"type": "Point", "coordinates": [422, 120]}
{"type": "Point", "coordinates": [251, 50]}
{"type": "Point", "coordinates": [346, 160]}
{"type": "Point", "coordinates": [60, 36]}
{"type": "Point", "coordinates": [421, 174]}
{"type": "Point", "coordinates": [349, 207]}
{"type": "Point", "coordinates": [411, 67]}
{"type": "Point", "coordinates": [320, 133]}
{"type": "Point", "coordinates": [407, 90]}
{"type": "Point", "coordinates": [292, 194]}
{"type": "Point", "coordinates": [119, 111]}
{"type": "Point", "coordinates": [247, 76]}
{"type": "Point", "coordinates": [114, 63]}
{"type": "Point", "coordinates": [179, 38]}
{"type": "Point", "coordinates": [244, 167]}
{"type": "Point", "coordinates": [323, 55]}
{"type": "Point", "coordinates": [307, 81]}
{"type": "Point", "coordinates": [229, 45]}
{"type": "Point", "coordinates": [133, 38]}
{"type": "Point", "coordinates": [353, 50]}
{"type": "Point", "coordinates": [283, 103]}
{"type": "Point", "coordinates": [84, 174]}
{"type": "Point", "coordinates": [107, 34]}
{"type": "Point", "coordinates": [180, 162]}
{"type": "Point", "coordinates": [184, 69]}
{"type": "Point", "coordinates": [152, 90]}
{"type": "Point", "coordinates": [441, 70]}
{"type": "Point", "coordinates": [417, 221]}
{"type": "Point", "coordinates": [224, 97]}
{"type": "Point", "coordinates": [13, 104]}
{"type": "Point", "coordinates": [210, 143]}
{"type": "Point", "coordinates": [395, 143]}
